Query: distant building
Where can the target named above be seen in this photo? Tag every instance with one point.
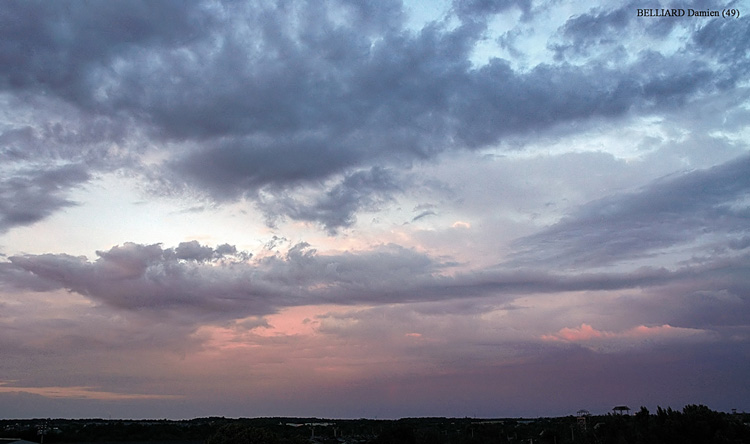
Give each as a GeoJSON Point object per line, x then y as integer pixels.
{"type": "Point", "coordinates": [621, 410]}
{"type": "Point", "coordinates": [581, 416]}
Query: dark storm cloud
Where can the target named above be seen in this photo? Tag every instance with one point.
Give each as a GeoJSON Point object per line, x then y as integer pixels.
{"type": "Point", "coordinates": [244, 165]}
{"type": "Point", "coordinates": [283, 95]}
{"type": "Point", "coordinates": [59, 46]}
{"type": "Point", "coordinates": [27, 197]}
{"type": "Point", "coordinates": [597, 28]}
{"type": "Point", "coordinates": [672, 211]}
{"type": "Point", "coordinates": [500, 102]}
{"type": "Point", "coordinates": [337, 207]}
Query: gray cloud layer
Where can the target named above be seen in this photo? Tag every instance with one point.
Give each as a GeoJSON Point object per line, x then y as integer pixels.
{"type": "Point", "coordinates": [30, 196]}
{"type": "Point", "coordinates": [673, 211]}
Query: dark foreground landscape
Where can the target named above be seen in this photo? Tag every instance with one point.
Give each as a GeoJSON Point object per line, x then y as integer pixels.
{"type": "Point", "coordinates": [693, 424]}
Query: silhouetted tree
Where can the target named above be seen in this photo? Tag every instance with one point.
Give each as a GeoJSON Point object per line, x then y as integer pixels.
{"type": "Point", "coordinates": [238, 433]}
{"type": "Point", "coordinates": [397, 435]}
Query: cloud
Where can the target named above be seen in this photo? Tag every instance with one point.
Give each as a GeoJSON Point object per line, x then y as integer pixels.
{"type": "Point", "coordinates": [200, 281]}
{"type": "Point", "coordinates": [29, 196]}
{"type": "Point", "coordinates": [336, 208]}
{"type": "Point", "coordinates": [14, 278]}
{"type": "Point", "coordinates": [134, 276]}
{"type": "Point", "coordinates": [715, 301]}
{"type": "Point", "coordinates": [586, 334]}
{"type": "Point", "coordinates": [194, 251]}
{"type": "Point", "coordinates": [60, 47]}
{"type": "Point", "coordinates": [721, 39]}
{"type": "Point", "coordinates": [588, 37]}
{"type": "Point", "coordinates": [594, 29]}
{"type": "Point", "coordinates": [423, 214]}
{"type": "Point", "coordinates": [250, 101]}
{"type": "Point", "coordinates": [670, 212]}
{"type": "Point", "coordinates": [153, 279]}
{"type": "Point", "coordinates": [481, 9]}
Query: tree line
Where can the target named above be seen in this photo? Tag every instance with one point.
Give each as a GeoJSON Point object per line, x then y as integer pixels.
{"type": "Point", "coordinates": [694, 424]}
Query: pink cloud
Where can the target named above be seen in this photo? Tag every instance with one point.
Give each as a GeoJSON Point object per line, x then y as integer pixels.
{"type": "Point", "coordinates": [585, 333]}
{"type": "Point", "coordinates": [578, 334]}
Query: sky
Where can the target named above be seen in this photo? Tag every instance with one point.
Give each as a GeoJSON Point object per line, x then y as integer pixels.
{"type": "Point", "coordinates": [379, 209]}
